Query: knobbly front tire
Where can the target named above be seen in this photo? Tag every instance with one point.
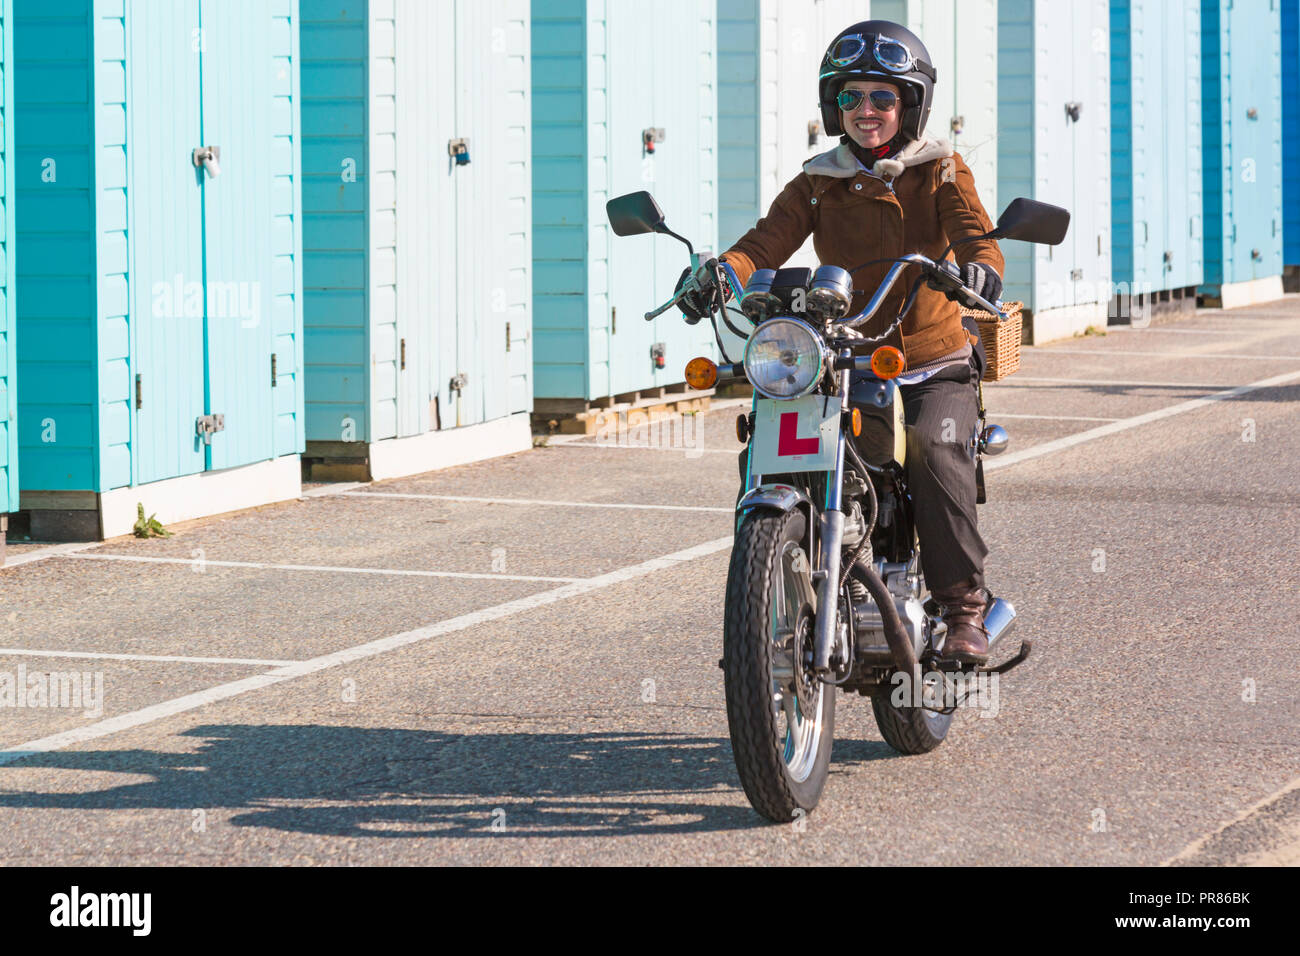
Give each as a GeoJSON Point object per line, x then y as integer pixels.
{"type": "Point", "coordinates": [782, 757]}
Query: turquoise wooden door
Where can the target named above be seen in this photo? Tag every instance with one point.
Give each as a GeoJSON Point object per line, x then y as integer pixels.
{"type": "Point", "coordinates": [239, 83]}
{"type": "Point", "coordinates": [166, 225]}
{"type": "Point", "coordinates": [8, 360]}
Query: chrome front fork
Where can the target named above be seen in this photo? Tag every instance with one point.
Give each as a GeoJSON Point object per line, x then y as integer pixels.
{"type": "Point", "coordinates": [832, 529]}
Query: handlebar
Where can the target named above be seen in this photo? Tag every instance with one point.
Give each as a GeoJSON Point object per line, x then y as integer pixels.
{"type": "Point", "coordinates": [946, 279]}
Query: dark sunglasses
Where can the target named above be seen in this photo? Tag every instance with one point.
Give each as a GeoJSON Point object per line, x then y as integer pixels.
{"type": "Point", "coordinates": [882, 101]}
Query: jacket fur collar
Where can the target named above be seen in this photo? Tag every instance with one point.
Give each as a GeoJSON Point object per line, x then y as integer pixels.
{"type": "Point", "coordinates": [840, 163]}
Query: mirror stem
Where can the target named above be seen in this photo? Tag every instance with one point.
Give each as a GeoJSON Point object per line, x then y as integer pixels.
{"type": "Point", "coordinates": [668, 232]}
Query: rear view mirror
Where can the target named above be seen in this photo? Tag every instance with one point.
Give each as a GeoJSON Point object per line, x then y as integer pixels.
{"type": "Point", "coordinates": [634, 214]}
{"type": "Point", "coordinates": [1031, 221]}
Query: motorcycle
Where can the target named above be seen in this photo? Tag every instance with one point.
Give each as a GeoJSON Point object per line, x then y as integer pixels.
{"type": "Point", "coordinates": [825, 590]}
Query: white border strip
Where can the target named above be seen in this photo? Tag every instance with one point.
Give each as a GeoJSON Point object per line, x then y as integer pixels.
{"type": "Point", "coordinates": [159, 658]}
{"type": "Point", "coordinates": [320, 567]}
{"type": "Point", "coordinates": [147, 715]}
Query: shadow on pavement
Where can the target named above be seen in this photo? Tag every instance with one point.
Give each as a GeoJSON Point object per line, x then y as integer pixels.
{"type": "Point", "coordinates": [353, 781]}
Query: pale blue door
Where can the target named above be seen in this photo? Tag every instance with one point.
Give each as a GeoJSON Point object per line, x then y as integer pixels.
{"type": "Point", "coordinates": [239, 85]}
{"type": "Point", "coordinates": [166, 225]}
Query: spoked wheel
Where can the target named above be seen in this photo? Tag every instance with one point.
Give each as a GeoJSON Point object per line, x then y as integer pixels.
{"type": "Point", "coordinates": [781, 718]}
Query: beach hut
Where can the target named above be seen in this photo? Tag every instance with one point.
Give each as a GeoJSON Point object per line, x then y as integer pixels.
{"type": "Point", "coordinates": [1156, 214]}
{"type": "Point", "coordinates": [159, 292]}
{"type": "Point", "coordinates": [1291, 144]}
{"type": "Point", "coordinates": [624, 98]}
{"type": "Point", "coordinates": [417, 234]}
{"type": "Point", "coordinates": [1054, 146]}
{"type": "Point", "coordinates": [962, 37]}
{"type": "Point", "coordinates": [1241, 102]}
{"type": "Point", "coordinates": [8, 368]}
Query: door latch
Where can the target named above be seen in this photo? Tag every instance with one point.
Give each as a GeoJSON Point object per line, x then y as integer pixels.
{"type": "Point", "coordinates": [655, 134]}
{"type": "Point", "coordinates": [458, 149]}
{"type": "Point", "coordinates": [1072, 110]}
{"type": "Point", "coordinates": [209, 158]}
{"type": "Point", "coordinates": [205, 426]}
{"type": "Point", "coordinates": [458, 382]}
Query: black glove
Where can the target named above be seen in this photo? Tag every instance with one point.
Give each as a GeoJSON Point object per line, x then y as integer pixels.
{"type": "Point", "coordinates": [699, 305]}
{"type": "Point", "coordinates": [983, 280]}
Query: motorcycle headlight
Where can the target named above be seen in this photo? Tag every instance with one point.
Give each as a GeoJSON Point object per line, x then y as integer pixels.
{"type": "Point", "coordinates": [784, 358]}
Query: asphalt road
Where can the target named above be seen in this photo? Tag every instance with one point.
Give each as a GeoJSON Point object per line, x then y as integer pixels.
{"type": "Point", "coordinates": [515, 661]}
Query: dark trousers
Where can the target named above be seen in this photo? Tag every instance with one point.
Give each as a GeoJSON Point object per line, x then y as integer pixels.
{"type": "Point", "coordinates": [941, 415]}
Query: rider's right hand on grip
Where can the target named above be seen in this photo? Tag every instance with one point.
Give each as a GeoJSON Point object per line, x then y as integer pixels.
{"type": "Point", "coordinates": [694, 305]}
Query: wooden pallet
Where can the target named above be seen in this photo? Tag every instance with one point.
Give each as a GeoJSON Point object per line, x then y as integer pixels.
{"type": "Point", "coordinates": [580, 417]}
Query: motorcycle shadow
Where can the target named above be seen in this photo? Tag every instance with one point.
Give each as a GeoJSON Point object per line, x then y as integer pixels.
{"type": "Point", "coordinates": [400, 783]}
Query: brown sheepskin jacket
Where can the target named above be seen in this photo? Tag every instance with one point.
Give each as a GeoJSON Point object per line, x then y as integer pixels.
{"type": "Point", "coordinates": [915, 202]}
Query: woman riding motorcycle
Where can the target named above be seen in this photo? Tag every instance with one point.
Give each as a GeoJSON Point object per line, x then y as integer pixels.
{"type": "Point", "coordinates": [885, 191]}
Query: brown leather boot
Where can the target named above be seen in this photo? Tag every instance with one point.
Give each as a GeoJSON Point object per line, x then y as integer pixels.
{"type": "Point", "coordinates": [963, 612]}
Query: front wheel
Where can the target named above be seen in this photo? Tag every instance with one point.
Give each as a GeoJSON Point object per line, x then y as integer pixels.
{"type": "Point", "coordinates": [781, 718]}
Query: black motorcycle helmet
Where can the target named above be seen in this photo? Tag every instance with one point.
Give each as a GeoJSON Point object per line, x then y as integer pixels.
{"type": "Point", "coordinates": [878, 48]}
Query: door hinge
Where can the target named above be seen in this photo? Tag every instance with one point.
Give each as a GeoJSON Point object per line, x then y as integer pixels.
{"type": "Point", "coordinates": [139, 390]}
{"type": "Point", "coordinates": [205, 426]}
{"type": "Point", "coordinates": [403, 351]}
{"type": "Point", "coordinates": [274, 377]}
{"type": "Point", "coordinates": [507, 336]}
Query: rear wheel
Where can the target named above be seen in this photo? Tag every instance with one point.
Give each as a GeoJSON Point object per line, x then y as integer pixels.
{"type": "Point", "coordinates": [909, 729]}
{"type": "Point", "coordinates": [781, 718]}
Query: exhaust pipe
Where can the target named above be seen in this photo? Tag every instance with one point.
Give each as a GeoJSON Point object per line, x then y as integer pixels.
{"type": "Point", "coordinates": [999, 619]}
{"type": "Point", "coordinates": [900, 645]}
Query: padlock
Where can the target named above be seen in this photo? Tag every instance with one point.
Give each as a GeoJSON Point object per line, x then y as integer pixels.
{"type": "Point", "coordinates": [458, 149]}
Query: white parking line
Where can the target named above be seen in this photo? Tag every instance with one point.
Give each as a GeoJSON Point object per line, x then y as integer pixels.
{"type": "Point", "coordinates": [1100, 382]}
{"type": "Point", "coordinates": [52, 551]}
{"type": "Point", "coordinates": [332, 489]}
{"type": "Point", "coordinates": [1124, 424]}
{"type": "Point", "coordinates": [1121, 328]}
{"type": "Point", "coordinates": [1185, 355]}
{"type": "Point", "coordinates": [318, 567]}
{"type": "Point", "coordinates": [162, 658]}
{"type": "Point", "coordinates": [147, 715]}
{"type": "Point", "coordinates": [688, 452]}
{"type": "Point", "coordinates": [538, 501]}
{"type": "Point", "coordinates": [1056, 418]}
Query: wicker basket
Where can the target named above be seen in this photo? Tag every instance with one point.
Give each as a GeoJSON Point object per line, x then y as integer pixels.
{"type": "Point", "coordinates": [1001, 339]}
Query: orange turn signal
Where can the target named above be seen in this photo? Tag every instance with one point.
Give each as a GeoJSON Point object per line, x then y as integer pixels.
{"type": "Point", "coordinates": [887, 362]}
{"type": "Point", "coordinates": [856, 420]}
{"type": "Point", "coordinates": [701, 373]}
